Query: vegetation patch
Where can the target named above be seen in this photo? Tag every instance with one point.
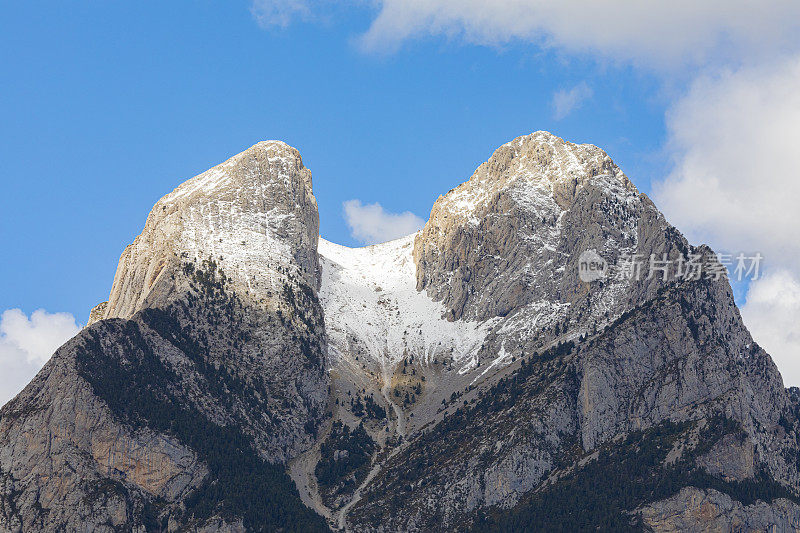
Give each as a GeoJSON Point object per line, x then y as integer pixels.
{"type": "Point", "coordinates": [138, 388]}
{"type": "Point", "coordinates": [600, 495]}
{"type": "Point", "coordinates": [345, 460]}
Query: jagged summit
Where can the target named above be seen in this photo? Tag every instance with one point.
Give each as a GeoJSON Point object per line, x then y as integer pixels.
{"type": "Point", "coordinates": [207, 362]}
{"type": "Point", "coordinates": [511, 234]}
{"type": "Point", "coordinates": [229, 173]}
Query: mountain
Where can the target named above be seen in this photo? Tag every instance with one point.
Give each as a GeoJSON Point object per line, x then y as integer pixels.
{"type": "Point", "coordinates": [246, 374]}
{"type": "Point", "coordinates": [203, 372]}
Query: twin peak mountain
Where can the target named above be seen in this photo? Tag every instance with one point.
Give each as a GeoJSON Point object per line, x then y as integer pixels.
{"type": "Point", "coordinates": [247, 375]}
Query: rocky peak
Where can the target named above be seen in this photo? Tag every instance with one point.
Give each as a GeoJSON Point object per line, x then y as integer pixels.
{"type": "Point", "coordinates": [207, 362]}
{"type": "Point", "coordinates": [255, 215]}
{"type": "Point", "coordinates": [463, 378]}
{"type": "Point", "coordinates": [539, 161]}
{"type": "Point", "coordinates": [516, 228]}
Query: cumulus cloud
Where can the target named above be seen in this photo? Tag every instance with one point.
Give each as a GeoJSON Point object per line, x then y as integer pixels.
{"type": "Point", "coordinates": [772, 313]}
{"type": "Point", "coordinates": [279, 13]}
{"type": "Point", "coordinates": [27, 343]}
{"type": "Point", "coordinates": [662, 34]}
{"type": "Point", "coordinates": [566, 101]}
{"type": "Point", "coordinates": [734, 140]}
{"type": "Point", "coordinates": [371, 224]}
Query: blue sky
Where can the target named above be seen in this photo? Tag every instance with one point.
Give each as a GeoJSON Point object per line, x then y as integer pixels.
{"type": "Point", "coordinates": [107, 106]}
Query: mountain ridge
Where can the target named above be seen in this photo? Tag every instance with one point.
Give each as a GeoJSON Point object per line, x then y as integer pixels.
{"type": "Point", "coordinates": [450, 379]}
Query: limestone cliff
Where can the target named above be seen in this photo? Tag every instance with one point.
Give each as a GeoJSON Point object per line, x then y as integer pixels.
{"type": "Point", "coordinates": [255, 215]}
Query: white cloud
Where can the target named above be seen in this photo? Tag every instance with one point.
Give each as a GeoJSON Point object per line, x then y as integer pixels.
{"type": "Point", "coordinates": [734, 138]}
{"type": "Point", "coordinates": [735, 141]}
{"type": "Point", "coordinates": [370, 224]}
{"type": "Point", "coordinates": [662, 34]}
{"type": "Point", "coordinates": [772, 313]}
{"type": "Point", "coordinates": [279, 13]}
{"type": "Point", "coordinates": [566, 101]}
{"type": "Point", "coordinates": [27, 343]}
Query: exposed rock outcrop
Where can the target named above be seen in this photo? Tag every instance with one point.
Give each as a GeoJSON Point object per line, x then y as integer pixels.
{"type": "Point", "coordinates": [709, 510]}
{"type": "Point", "coordinates": [513, 233]}
{"type": "Point", "coordinates": [255, 215]}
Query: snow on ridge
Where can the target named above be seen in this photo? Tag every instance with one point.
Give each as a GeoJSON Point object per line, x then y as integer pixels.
{"type": "Point", "coordinates": [532, 180]}
{"type": "Point", "coordinates": [206, 182]}
{"type": "Point", "coordinates": [369, 294]}
{"type": "Point", "coordinates": [217, 177]}
{"type": "Point", "coordinates": [217, 214]}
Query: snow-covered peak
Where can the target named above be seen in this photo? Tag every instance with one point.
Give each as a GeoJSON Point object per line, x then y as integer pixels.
{"type": "Point", "coordinates": [510, 236]}
{"type": "Point", "coordinates": [255, 215]}
{"type": "Point", "coordinates": [536, 169]}
{"type": "Point", "coordinates": [282, 160]}
{"type": "Point", "coordinates": [546, 156]}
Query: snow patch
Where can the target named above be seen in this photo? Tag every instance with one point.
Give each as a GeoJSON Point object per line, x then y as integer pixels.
{"type": "Point", "coordinates": [372, 305]}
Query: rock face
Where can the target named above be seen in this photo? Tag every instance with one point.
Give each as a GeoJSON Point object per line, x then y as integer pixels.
{"type": "Point", "coordinates": [695, 510]}
{"type": "Point", "coordinates": [512, 235]}
{"type": "Point", "coordinates": [467, 377]}
{"type": "Point", "coordinates": [544, 419]}
{"type": "Point", "coordinates": [204, 368]}
{"type": "Point", "coordinates": [255, 214]}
